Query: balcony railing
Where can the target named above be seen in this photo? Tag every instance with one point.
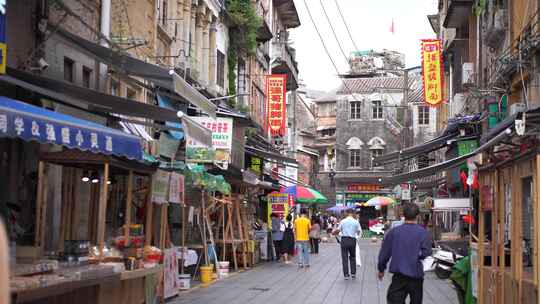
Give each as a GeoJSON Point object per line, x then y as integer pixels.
{"type": "Point", "coordinates": [283, 62]}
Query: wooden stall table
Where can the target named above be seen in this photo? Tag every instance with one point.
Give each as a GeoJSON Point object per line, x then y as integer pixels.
{"type": "Point", "coordinates": [130, 288]}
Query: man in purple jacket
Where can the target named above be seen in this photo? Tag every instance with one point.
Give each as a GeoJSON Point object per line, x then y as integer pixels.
{"type": "Point", "coordinates": [405, 246]}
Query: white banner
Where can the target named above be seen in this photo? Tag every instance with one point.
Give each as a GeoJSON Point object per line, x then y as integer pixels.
{"type": "Point", "coordinates": [176, 188]}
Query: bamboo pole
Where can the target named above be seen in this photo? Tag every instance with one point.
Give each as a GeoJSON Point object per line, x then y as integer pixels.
{"type": "Point", "coordinates": [502, 254]}
{"type": "Point", "coordinates": [536, 216]}
{"type": "Point", "coordinates": [481, 238]}
{"type": "Point", "coordinates": [203, 217]}
{"type": "Point", "coordinates": [149, 210]}
{"type": "Point", "coordinates": [224, 253]}
{"type": "Point", "coordinates": [183, 236]}
{"type": "Point", "coordinates": [129, 198]}
{"type": "Point", "coordinates": [103, 209]}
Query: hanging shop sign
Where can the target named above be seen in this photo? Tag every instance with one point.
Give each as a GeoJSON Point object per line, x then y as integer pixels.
{"type": "Point", "coordinates": [255, 164]}
{"type": "Point", "coordinates": [276, 108]}
{"type": "Point", "coordinates": [160, 186]}
{"type": "Point", "coordinates": [176, 188]}
{"type": "Point", "coordinates": [220, 151]}
{"type": "Point", "coordinates": [358, 197]}
{"type": "Point", "coordinates": [3, 45]}
{"type": "Point", "coordinates": [278, 203]}
{"type": "Point", "coordinates": [363, 187]}
{"type": "Point", "coordinates": [28, 122]}
{"type": "Point", "coordinates": [486, 198]}
{"type": "Point", "coordinates": [168, 145]}
{"type": "Point", "coordinates": [171, 285]}
{"type": "Point", "coordinates": [432, 71]}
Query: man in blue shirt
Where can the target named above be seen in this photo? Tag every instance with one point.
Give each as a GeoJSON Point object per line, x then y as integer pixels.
{"type": "Point", "coordinates": [406, 245]}
{"type": "Point", "coordinates": [348, 229]}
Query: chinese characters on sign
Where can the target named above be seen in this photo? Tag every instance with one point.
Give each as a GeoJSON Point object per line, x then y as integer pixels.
{"type": "Point", "coordinates": [176, 189]}
{"type": "Point", "coordinates": [222, 133]}
{"type": "Point", "coordinates": [160, 186]}
{"type": "Point", "coordinates": [278, 203]}
{"type": "Point", "coordinates": [363, 187]}
{"type": "Point", "coordinates": [3, 46]}
{"type": "Point", "coordinates": [432, 71]}
{"type": "Point", "coordinates": [275, 90]}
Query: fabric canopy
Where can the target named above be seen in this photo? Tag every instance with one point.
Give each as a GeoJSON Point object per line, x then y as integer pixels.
{"type": "Point", "coordinates": [305, 195]}
{"type": "Point", "coordinates": [28, 122]}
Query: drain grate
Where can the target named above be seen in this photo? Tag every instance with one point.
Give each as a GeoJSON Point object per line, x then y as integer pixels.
{"type": "Point", "coordinates": [259, 289]}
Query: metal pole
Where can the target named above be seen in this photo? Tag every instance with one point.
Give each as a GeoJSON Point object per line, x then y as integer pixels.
{"type": "Point", "coordinates": [405, 104]}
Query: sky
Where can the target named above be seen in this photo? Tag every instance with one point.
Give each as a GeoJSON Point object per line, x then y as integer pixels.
{"type": "Point", "coordinates": [369, 22]}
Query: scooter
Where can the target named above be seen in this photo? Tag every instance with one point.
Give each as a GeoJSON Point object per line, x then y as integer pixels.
{"type": "Point", "coordinates": [445, 258]}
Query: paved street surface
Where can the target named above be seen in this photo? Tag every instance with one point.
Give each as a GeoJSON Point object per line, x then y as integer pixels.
{"type": "Point", "coordinates": [322, 283]}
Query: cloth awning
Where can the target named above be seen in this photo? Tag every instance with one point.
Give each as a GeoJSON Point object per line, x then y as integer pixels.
{"type": "Point", "coordinates": [133, 66]}
{"type": "Point", "coordinates": [28, 122]}
{"type": "Point", "coordinates": [411, 152]}
{"type": "Point", "coordinates": [92, 100]}
{"type": "Point", "coordinates": [452, 163]}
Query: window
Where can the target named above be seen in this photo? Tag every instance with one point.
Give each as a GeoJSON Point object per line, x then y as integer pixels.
{"type": "Point", "coordinates": [355, 158]}
{"type": "Point", "coordinates": [328, 132]}
{"type": "Point", "coordinates": [115, 88]}
{"type": "Point", "coordinates": [220, 69]}
{"type": "Point", "coordinates": [423, 115]}
{"type": "Point", "coordinates": [163, 12]}
{"type": "Point", "coordinates": [355, 109]}
{"type": "Point", "coordinates": [131, 94]}
{"type": "Point", "coordinates": [377, 109]}
{"type": "Point", "coordinates": [86, 77]}
{"type": "Point", "coordinates": [69, 65]}
{"type": "Point", "coordinates": [374, 154]}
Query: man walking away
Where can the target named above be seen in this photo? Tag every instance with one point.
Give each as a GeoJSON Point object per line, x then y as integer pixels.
{"type": "Point", "coordinates": [348, 229]}
{"type": "Point", "coordinates": [406, 245]}
{"type": "Point", "coordinates": [302, 225]}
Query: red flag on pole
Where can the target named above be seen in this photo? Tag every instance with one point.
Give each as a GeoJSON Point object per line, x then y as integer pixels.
{"type": "Point", "coordinates": [392, 30]}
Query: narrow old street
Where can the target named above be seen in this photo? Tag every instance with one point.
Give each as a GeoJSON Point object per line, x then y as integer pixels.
{"type": "Point", "coordinates": [322, 283]}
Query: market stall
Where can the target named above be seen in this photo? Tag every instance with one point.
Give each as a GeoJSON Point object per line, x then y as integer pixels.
{"type": "Point", "coordinates": [75, 237]}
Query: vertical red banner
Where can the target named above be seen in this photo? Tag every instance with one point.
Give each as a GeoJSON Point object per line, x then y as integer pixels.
{"type": "Point", "coordinates": [276, 105]}
{"type": "Point", "coordinates": [432, 70]}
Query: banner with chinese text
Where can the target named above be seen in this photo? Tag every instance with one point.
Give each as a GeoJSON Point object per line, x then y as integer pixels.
{"type": "Point", "coordinates": [176, 189]}
{"type": "Point", "coordinates": [276, 106]}
{"type": "Point", "coordinates": [278, 203]}
{"type": "Point", "coordinates": [160, 186]}
{"type": "Point", "coordinates": [432, 70]}
{"type": "Point", "coordinates": [222, 132]}
{"type": "Point", "coordinates": [3, 46]}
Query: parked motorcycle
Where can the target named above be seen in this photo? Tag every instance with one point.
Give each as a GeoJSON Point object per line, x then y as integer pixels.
{"type": "Point", "coordinates": [445, 257]}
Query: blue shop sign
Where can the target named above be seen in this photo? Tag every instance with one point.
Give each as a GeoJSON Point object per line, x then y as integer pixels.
{"type": "Point", "coordinates": [28, 122]}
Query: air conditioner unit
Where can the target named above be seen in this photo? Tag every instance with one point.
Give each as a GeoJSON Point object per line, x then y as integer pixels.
{"type": "Point", "coordinates": [467, 75]}
{"type": "Point", "coordinates": [517, 108]}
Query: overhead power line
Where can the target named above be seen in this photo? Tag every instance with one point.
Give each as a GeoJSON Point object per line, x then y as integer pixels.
{"type": "Point", "coordinates": [346, 26]}
{"type": "Point", "coordinates": [334, 32]}
{"type": "Point", "coordinates": [326, 48]}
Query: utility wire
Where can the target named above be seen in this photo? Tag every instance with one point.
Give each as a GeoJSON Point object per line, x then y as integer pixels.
{"type": "Point", "coordinates": [334, 32]}
{"type": "Point", "coordinates": [325, 48]}
{"type": "Point", "coordinates": [346, 26]}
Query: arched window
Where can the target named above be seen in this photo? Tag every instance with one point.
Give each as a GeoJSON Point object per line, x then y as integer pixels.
{"type": "Point", "coordinates": [376, 143]}
{"type": "Point", "coordinates": [354, 144]}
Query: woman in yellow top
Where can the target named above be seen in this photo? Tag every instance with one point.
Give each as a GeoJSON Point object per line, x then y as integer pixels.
{"type": "Point", "coordinates": [302, 225]}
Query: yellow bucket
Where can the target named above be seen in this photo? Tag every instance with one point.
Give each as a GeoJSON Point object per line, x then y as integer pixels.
{"type": "Point", "coordinates": [206, 273]}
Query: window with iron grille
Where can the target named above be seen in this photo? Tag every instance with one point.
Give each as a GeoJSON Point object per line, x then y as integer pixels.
{"type": "Point", "coordinates": [355, 158]}
{"type": "Point", "coordinates": [377, 109]}
{"type": "Point", "coordinates": [86, 77]}
{"type": "Point", "coordinates": [423, 115]}
{"type": "Point", "coordinates": [355, 109]}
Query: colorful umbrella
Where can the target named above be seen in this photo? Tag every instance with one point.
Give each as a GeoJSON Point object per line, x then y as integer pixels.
{"type": "Point", "coordinates": [380, 201]}
{"type": "Point", "coordinates": [304, 195]}
{"type": "Point", "coordinates": [338, 209]}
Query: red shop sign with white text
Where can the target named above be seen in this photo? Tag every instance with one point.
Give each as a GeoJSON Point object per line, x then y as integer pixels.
{"type": "Point", "coordinates": [276, 106]}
